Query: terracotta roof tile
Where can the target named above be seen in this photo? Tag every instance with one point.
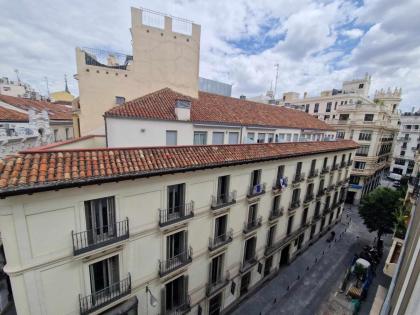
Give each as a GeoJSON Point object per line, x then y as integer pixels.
{"type": "Point", "coordinates": [48, 170]}
{"type": "Point", "coordinates": [7, 114]}
{"type": "Point", "coordinates": [212, 108]}
{"type": "Point", "coordinates": [55, 111]}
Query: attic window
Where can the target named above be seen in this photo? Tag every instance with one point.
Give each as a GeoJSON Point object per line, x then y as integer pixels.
{"type": "Point", "coordinates": [183, 104]}
{"type": "Point", "coordinates": [119, 100]}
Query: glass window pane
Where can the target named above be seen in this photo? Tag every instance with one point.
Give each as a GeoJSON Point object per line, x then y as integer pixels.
{"type": "Point", "coordinates": [218, 137]}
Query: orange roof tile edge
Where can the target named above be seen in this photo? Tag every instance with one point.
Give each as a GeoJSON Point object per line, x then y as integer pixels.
{"type": "Point", "coordinates": [35, 171]}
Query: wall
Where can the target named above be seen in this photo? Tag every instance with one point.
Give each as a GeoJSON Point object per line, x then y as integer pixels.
{"type": "Point", "coordinates": [47, 278]}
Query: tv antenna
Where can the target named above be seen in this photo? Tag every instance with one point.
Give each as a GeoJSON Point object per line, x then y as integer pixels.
{"type": "Point", "coordinates": [277, 77]}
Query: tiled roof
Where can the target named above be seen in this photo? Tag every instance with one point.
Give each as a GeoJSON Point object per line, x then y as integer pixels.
{"type": "Point", "coordinates": [212, 108]}
{"type": "Point", "coordinates": [48, 170]}
{"type": "Point", "coordinates": [7, 114]}
{"type": "Point", "coordinates": [55, 111]}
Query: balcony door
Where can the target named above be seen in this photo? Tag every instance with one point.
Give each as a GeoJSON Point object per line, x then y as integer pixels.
{"type": "Point", "coordinates": [250, 249]}
{"type": "Point", "coordinates": [220, 226]}
{"type": "Point", "coordinates": [174, 294]}
{"type": "Point", "coordinates": [100, 219]}
{"type": "Point", "coordinates": [252, 213]}
{"type": "Point", "coordinates": [223, 189]}
{"type": "Point", "coordinates": [176, 198]}
{"type": "Point", "coordinates": [298, 169]}
{"type": "Point", "coordinates": [103, 274]}
{"type": "Point", "coordinates": [304, 216]}
{"type": "Point", "coordinates": [216, 269]}
{"type": "Point", "coordinates": [176, 244]}
{"type": "Point", "coordinates": [255, 179]}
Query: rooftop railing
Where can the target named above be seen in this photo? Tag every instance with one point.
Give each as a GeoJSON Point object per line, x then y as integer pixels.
{"type": "Point", "coordinates": [102, 58]}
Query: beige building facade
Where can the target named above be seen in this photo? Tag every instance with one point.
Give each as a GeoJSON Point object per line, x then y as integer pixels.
{"type": "Point", "coordinates": [165, 53]}
{"type": "Point", "coordinates": [192, 236]}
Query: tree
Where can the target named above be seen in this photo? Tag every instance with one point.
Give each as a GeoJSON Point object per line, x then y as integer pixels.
{"type": "Point", "coordinates": [378, 210]}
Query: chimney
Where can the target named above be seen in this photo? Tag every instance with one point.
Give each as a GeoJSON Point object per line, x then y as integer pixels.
{"type": "Point", "coordinates": [242, 97]}
{"type": "Point", "coordinates": [183, 109]}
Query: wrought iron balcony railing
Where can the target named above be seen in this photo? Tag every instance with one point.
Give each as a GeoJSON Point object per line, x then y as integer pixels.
{"type": "Point", "coordinates": [220, 240]}
{"type": "Point", "coordinates": [99, 299]}
{"type": "Point", "coordinates": [216, 285]}
{"type": "Point", "coordinates": [256, 190]}
{"type": "Point", "coordinates": [183, 306]}
{"type": "Point", "coordinates": [279, 184]}
{"type": "Point", "coordinates": [350, 163]}
{"type": "Point", "coordinates": [176, 214]}
{"type": "Point", "coordinates": [343, 164]}
{"type": "Point", "coordinates": [309, 197]}
{"type": "Point", "coordinates": [294, 205]}
{"type": "Point", "coordinates": [321, 192]}
{"type": "Point", "coordinates": [223, 200]}
{"type": "Point", "coordinates": [173, 263]}
{"type": "Point", "coordinates": [334, 167]}
{"type": "Point", "coordinates": [99, 237]}
{"type": "Point", "coordinates": [313, 173]}
{"type": "Point", "coordinates": [248, 263]}
{"type": "Point", "coordinates": [298, 178]}
{"type": "Point", "coordinates": [276, 213]}
{"type": "Point", "coordinates": [252, 225]}
{"type": "Point", "coordinates": [325, 170]}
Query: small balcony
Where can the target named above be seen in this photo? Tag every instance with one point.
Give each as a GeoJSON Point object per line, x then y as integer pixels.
{"type": "Point", "coordinates": [256, 191]}
{"type": "Point", "coordinates": [276, 213]}
{"type": "Point", "coordinates": [176, 214]}
{"type": "Point", "coordinates": [223, 201]}
{"type": "Point", "coordinates": [343, 164]}
{"type": "Point", "coordinates": [248, 264]}
{"type": "Point", "coordinates": [293, 206]}
{"type": "Point", "coordinates": [99, 299]}
{"type": "Point", "coordinates": [176, 262]}
{"type": "Point", "coordinates": [298, 178]}
{"type": "Point", "coordinates": [313, 174]}
{"type": "Point", "coordinates": [327, 210]}
{"type": "Point", "coordinates": [350, 163]}
{"type": "Point", "coordinates": [308, 198]}
{"type": "Point", "coordinates": [184, 306]}
{"type": "Point", "coordinates": [99, 237]}
{"type": "Point", "coordinates": [279, 185]}
{"type": "Point", "coordinates": [334, 167]}
{"type": "Point", "coordinates": [325, 170]}
{"type": "Point", "coordinates": [221, 240]}
{"type": "Point", "coordinates": [252, 225]}
{"type": "Point", "coordinates": [330, 188]}
{"type": "Point", "coordinates": [320, 193]}
{"type": "Point", "coordinates": [213, 287]}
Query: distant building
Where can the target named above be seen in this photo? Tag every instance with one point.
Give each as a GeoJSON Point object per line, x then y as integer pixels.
{"type": "Point", "coordinates": [407, 144]}
{"type": "Point", "coordinates": [18, 89]}
{"type": "Point", "coordinates": [215, 87]}
{"type": "Point", "coordinates": [62, 97]}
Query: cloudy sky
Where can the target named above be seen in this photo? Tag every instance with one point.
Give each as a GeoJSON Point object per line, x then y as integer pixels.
{"type": "Point", "coordinates": [317, 44]}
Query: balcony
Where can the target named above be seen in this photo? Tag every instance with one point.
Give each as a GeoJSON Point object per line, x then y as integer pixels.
{"type": "Point", "coordinates": [279, 185]}
{"type": "Point", "coordinates": [176, 214]}
{"type": "Point", "coordinates": [330, 188]}
{"type": "Point", "coordinates": [223, 201]}
{"type": "Point", "coordinates": [92, 239]}
{"type": "Point", "coordinates": [252, 225]}
{"type": "Point", "coordinates": [312, 174]}
{"type": "Point", "coordinates": [217, 285]}
{"type": "Point", "coordinates": [276, 213]}
{"type": "Point", "coordinates": [343, 164]}
{"type": "Point", "coordinates": [248, 264]}
{"type": "Point", "coordinates": [176, 262]}
{"type": "Point", "coordinates": [350, 163]}
{"type": "Point", "coordinates": [218, 241]}
{"type": "Point", "coordinates": [308, 198]}
{"type": "Point", "coordinates": [184, 306]}
{"type": "Point", "coordinates": [256, 191]}
{"type": "Point", "coordinates": [320, 193]}
{"type": "Point", "coordinates": [99, 299]}
{"type": "Point", "coordinates": [334, 167]}
{"type": "Point", "coordinates": [325, 170]}
{"type": "Point", "coordinates": [327, 210]}
{"type": "Point", "coordinates": [293, 206]}
{"type": "Point", "coordinates": [298, 178]}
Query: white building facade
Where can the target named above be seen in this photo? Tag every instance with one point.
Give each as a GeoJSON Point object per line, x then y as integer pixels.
{"type": "Point", "coordinates": [163, 230]}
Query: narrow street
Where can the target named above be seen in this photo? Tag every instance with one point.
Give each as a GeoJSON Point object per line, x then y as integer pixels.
{"type": "Point", "coordinates": [303, 286]}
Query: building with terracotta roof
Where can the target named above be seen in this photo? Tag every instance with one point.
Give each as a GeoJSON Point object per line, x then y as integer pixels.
{"type": "Point", "coordinates": [182, 228]}
{"type": "Point", "coordinates": [26, 123]}
{"type": "Point", "coordinates": [166, 117]}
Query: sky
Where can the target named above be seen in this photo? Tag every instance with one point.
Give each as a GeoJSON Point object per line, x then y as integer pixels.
{"type": "Point", "coordinates": [317, 44]}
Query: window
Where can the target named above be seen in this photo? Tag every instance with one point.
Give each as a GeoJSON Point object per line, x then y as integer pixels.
{"type": "Point", "coordinates": [359, 165]}
{"type": "Point", "coordinates": [329, 104]}
{"type": "Point", "coordinates": [290, 225]}
{"type": "Point", "coordinates": [67, 134]}
{"type": "Point", "coordinates": [175, 294]}
{"type": "Point", "coordinates": [270, 137]}
{"type": "Point", "coordinates": [252, 214]}
{"type": "Point", "coordinates": [261, 138]}
{"type": "Point", "coordinates": [176, 200]}
{"type": "Point", "coordinates": [220, 227]}
{"type": "Point", "coordinates": [251, 137]}
{"type": "Point", "coordinates": [307, 108]}
{"type": "Point", "coordinates": [218, 137]}
{"type": "Point", "coordinates": [365, 135]}
{"type": "Point", "coordinates": [325, 163]}
{"type": "Point", "coordinates": [55, 135]}
{"type": "Point", "coordinates": [326, 117]}
{"type": "Point", "coordinates": [361, 86]}
{"type": "Point", "coordinates": [335, 105]}
{"type": "Point", "coordinates": [316, 108]}
{"type": "Point", "coordinates": [304, 217]}
{"type": "Point", "coordinates": [363, 150]}
{"type": "Point", "coordinates": [340, 134]}
{"type": "Point", "coordinates": [100, 219]}
{"type": "Point", "coordinates": [223, 189]}
{"type": "Point", "coordinates": [295, 137]}
{"type": "Point", "coordinates": [296, 196]}
{"type": "Point", "coordinates": [103, 274]}
{"type": "Point", "coordinates": [200, 137]}
{"type": "Point", "coordinates": [176, 246]}
{"type": "Point", "coordinates": [270, 235]}
{"type": "Point", "coordinates": [408, 127]}
{"type": "Point", "coordinates": [216, 269]}
{"type": "Point", "coordinates": [354, 179]}
{"type": "Point", "coordinates": [119, 100]}
{"type": "Point", "coordinates": [233, 137]}
{"type": "Point", "coordinates": [171, 137]}
{"type": "Point", "coordinates": [289, 137]}
{"type": "Point", "coordinates": [343, 117]}
{"type": "Point", "coordinates": [280, 137]}
{"type": "Point", "coordinates": [255, 182]}
{"type": "Point", "coordinates": [402, 153]}
{"type": "Point", "coordinates": [249, 253]}
{"type": "Point", "coordinates": [369, 117]}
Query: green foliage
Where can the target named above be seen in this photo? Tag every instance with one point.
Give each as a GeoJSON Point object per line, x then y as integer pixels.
{"type": "Point", "coordinates": [378, 210]}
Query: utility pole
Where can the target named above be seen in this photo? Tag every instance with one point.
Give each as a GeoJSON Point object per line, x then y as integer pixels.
{"type": "Point", "coordinates": [277, 76]}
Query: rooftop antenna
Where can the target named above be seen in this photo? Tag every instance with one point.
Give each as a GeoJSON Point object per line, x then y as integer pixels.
{"type": "Point", "coordinates": [17, 75]}
{"type": "Point", "coordinates": [66, 86]}
{"type": "Point", "coordinates": [48, 88]}
{"type": "Point", "coordinates": [277, 76]}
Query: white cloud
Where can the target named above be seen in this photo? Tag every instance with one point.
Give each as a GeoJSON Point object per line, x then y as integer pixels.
{"type": "Point", "coordinates": [39, 39]}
